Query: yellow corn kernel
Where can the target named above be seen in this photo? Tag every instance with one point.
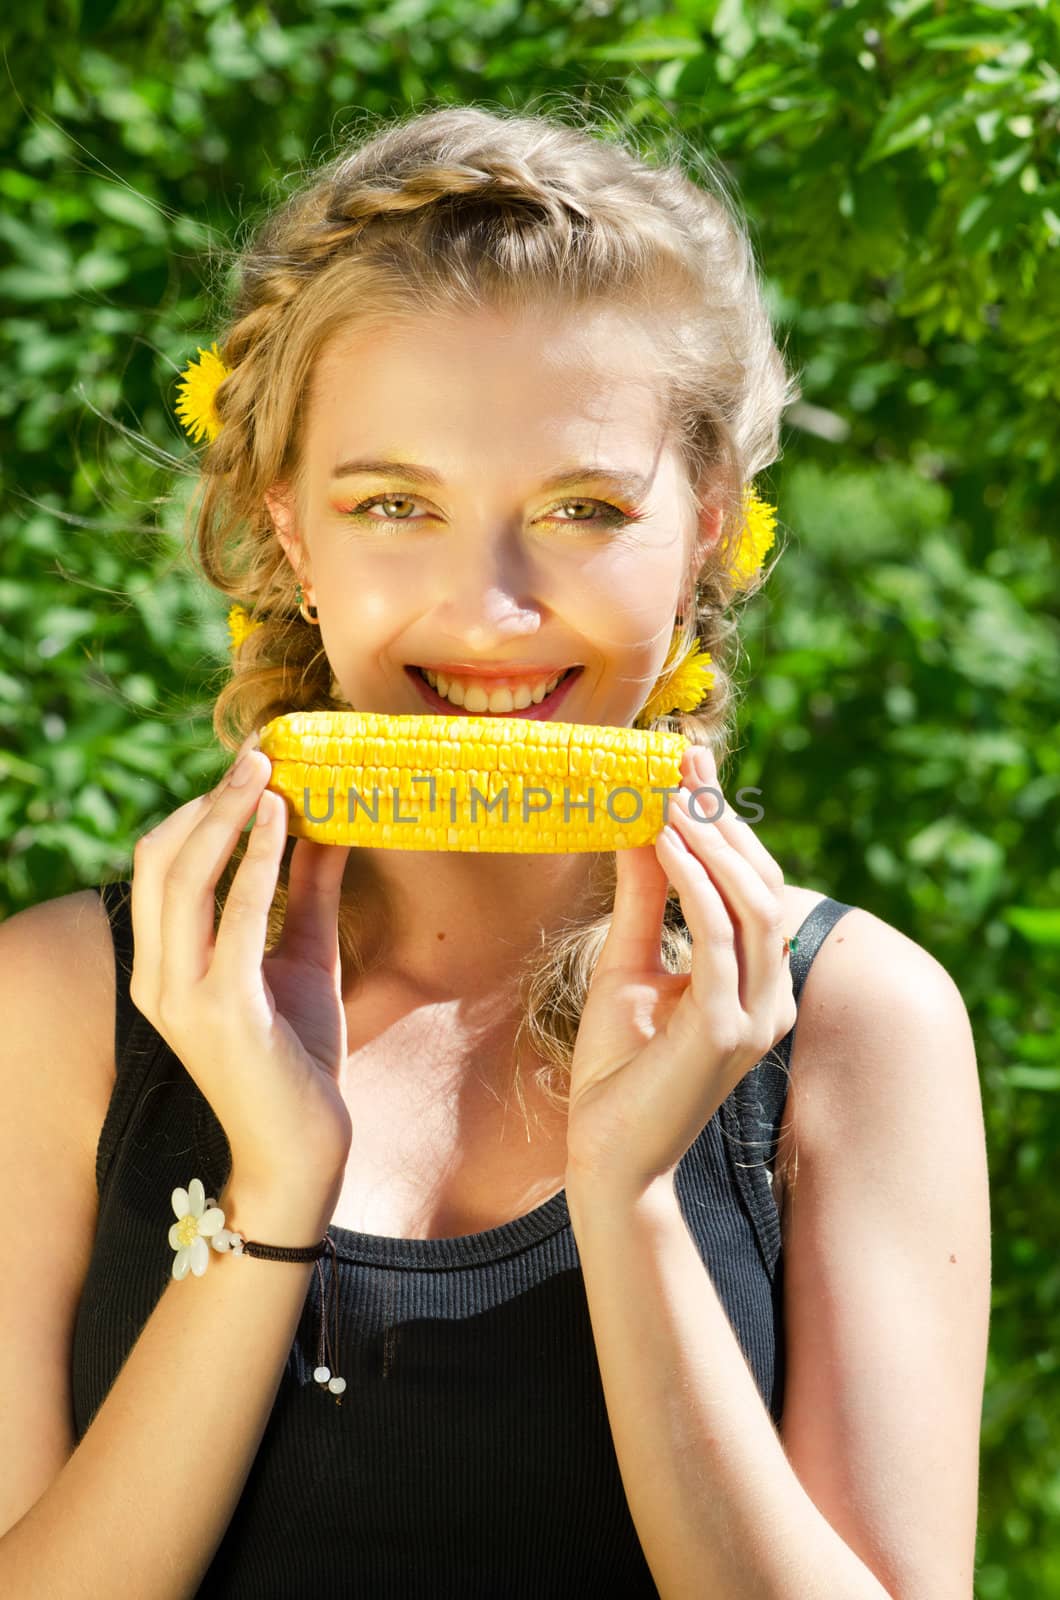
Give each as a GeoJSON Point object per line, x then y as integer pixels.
{"type": "Point", "coordinates": [369, 778]}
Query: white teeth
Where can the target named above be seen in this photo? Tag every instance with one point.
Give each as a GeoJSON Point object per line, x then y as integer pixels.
{"type": "Point", "coordinates": [474, 697]}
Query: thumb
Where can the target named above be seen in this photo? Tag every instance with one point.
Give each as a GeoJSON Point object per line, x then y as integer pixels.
{"type": "Point", "coordinates": [314, 890]}
{"type": "Point", "coordinates": [634, 938]}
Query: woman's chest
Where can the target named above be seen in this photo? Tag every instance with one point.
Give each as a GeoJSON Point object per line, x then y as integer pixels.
{"type": "Point", "coordinates": [442, 1145]}
{"type": "Point", "coordinates": [447, 1138]}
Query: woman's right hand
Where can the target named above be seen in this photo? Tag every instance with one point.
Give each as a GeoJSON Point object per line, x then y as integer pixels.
{"type": "Point", "coordinates": [264, 1037]}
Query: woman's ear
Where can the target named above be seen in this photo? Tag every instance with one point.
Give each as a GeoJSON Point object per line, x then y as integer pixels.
{"type": "Point", "coordinates": [279, 509]}
{"type": "Point", "coordinates": [708, 531]}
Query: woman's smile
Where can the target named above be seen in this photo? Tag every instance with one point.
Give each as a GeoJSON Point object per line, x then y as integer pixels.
{"type": "Point", "coordinates": [480, 698]}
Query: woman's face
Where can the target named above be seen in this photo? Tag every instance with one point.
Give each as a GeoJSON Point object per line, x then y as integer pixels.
{"type": "Point", "coordinates": [476, 560]}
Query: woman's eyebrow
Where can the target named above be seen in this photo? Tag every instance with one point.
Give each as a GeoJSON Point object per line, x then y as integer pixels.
{"type": "Point", "coordinates": [630, 483]}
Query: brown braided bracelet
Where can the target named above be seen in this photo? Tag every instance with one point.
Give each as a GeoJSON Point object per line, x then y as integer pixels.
{"type": "Point", "coordinates": [200, 1226]}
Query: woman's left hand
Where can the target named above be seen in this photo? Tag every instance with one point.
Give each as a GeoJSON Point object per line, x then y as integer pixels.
{"type": "Point", "coordinates": [657, 1052]}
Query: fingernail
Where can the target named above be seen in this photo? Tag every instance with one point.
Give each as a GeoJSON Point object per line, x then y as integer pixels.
{"type": "Point", "coordinates": [242, 769]}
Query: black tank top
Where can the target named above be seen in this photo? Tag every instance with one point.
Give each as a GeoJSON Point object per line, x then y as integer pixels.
{"type": "Point", "coordinates": [471, 1454]}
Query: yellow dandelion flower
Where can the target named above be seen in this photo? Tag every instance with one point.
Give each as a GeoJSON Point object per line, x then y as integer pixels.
{"type": "Point", "coordinates": [685, 689]}
{"type": "Point", "coordinates": [759, 531]}
{"type": "Point", "coordinates": [239, 625]}
{"type": "Point", "coordinates": [195, 404]}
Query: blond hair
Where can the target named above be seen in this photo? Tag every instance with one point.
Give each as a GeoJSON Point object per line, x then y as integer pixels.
{"type": "Point", "coordinates": [450, 211]}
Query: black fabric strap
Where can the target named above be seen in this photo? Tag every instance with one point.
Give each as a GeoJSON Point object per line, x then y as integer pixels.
{"type": "Point", "coordinates": [135, 1042]}
{"type": "Point", "coordinates": [117, 899]}
{"type": "Point", "coordinates": [751, 1117]}
{"type": "Point", "coordinates": [761, 1096]}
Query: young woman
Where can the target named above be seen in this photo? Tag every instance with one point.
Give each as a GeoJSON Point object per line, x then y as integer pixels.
{"type": "Point", "coordinates": [486, 415]}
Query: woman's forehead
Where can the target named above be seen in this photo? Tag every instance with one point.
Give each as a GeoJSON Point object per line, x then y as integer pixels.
{"type": "Point", "coordinates": [445, 403]}
{"type": "Point", "coordinates": [594, 349]}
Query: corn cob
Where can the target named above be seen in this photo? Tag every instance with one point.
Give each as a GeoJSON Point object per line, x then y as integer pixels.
{"type": "Point", "coordinates": [365, 778]}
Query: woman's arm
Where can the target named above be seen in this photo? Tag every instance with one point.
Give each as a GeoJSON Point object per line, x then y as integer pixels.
{"type": "Point", "coordinates": [144, 1500]}
{"type": "Point", "coordinates": [716, 1504]}
{"type": "Point", "coordinates": [869, 1488]}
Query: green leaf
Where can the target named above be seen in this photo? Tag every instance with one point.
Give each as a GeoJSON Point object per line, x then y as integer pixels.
{"type": "Point", "coordinates": [1042, 1078]}
{"type": "Point", "coordinates": [100, 269]}
{"type": "Point", "coordinates": [1038, 924]}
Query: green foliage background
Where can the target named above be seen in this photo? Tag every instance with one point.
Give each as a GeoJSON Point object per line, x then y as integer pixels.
{"type": "Point", "coordinates": [898, 165]}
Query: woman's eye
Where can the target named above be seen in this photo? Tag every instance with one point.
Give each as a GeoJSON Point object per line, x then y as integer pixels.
{"type": "Point", "coordinates": [384, 500]}
{"type": "Point", "coordinates": [608, 515]}
{"type": "Point", "coordinates": [611, 514]}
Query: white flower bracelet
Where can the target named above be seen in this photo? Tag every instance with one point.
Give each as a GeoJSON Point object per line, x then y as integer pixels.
{"type": "Point", "coordinates": [200, 1226]}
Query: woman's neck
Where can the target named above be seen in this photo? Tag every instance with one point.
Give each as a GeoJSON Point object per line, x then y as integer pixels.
{"type": "Point", "coordinates": [462, 922]}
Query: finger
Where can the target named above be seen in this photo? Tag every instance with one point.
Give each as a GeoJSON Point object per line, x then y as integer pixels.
{"type": "Point", "coordinates": [739, 833]}
{"type": "Point", "coordinates": [750, 905]}
{"type": "Point", "coordinates": [251, 742]}
{"type": "Point", "coordinates": [743, 838]}
{"type": "Point", "coordinates": [634, 939]}
{"type": "Point", "coordinates": [189, 899]}
{"type": "Point", "coordinates": [239, 947]}
{"type": "Point", "coordinates": [153, 855]}
{"type": "Point", "coordinates": [314, 891]}
{"type": "Point", "coordinates": [715, 958]}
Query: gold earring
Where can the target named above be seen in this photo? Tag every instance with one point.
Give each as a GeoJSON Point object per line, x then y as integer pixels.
{"type": "Point", "coordinates": [311, 614]}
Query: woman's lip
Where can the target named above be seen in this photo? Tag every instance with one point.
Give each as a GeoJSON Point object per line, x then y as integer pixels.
{"type": "Point", "coordinates": [531, 712]}
{"type": "Point", "coordinates": [517, 670]}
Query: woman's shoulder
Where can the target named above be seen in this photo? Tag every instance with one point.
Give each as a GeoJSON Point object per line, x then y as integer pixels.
{"type": "Point", "coordinates": [863, 950]}
{"type": "Point", "coordinates": [869, 990]}
{"type": "Point", "coordinates": [63, 951]}
{"type": "Point", "coordinates": [870, 935]}
{"type": "Point", "coordinates": [56, 1066]}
